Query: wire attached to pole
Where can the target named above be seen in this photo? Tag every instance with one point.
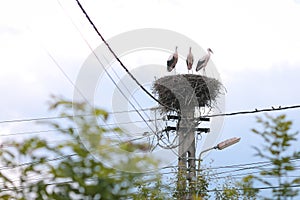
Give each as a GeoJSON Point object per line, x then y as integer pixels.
{"type": "Point", "coordinates": [116, 57]}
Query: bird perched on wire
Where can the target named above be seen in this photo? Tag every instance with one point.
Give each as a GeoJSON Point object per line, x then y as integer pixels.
{"type": "Point", "coordinates": [190, 60]}
{"type": "Point", "coordinates": [203, 61]}
{"type": "Point", "coordinates": [172, 61]}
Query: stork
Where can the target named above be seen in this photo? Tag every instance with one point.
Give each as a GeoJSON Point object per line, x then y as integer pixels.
{"type": "Point", "coordinates": [190, 60]}
{"type": "Point", "coordinates": [171, 63]}
{"type": "Point", "coordinates": [203, 61]}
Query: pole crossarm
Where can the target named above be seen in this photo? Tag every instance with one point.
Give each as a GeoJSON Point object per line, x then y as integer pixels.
{"type": "Point", "coordinates": [201, 130]}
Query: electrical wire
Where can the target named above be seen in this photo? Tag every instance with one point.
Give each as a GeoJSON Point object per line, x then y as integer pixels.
{"type": "Point", "coordinates": [252, 167]}
{"type": "Point", "coordinates": [69, 116]}
{"type": "Point", "coordinates": [114, 82]}
{"type": "Point", "coordinates": [19, 188]}
{"type": "Point", "coordinates": [124, 85]}
{"type": "Point", "coordinates": [57, 64]}
{"type": "Point", "coordinates": [62, 157]}
{"type": "Point", "coordinates": [238, 165]}
{"type": "Point", "coordinates": [37, 162]}
{"type": "Point", "coordinates": [116, 57]}
{"type": "Point", "coordinates": [158, 138]}
{"type": "Point", "coordinates": [259, 188]}
{"type": "Point", "coordinates": [211, 190]}
{"type": "Point", "coordinates": [146, 91]}
{"type": "Point", "coordinates": [215, 115]}
{"type": "Point", "coordinates": [254, 111]}
{"type": "Point", "coordinates": [62, 129]}
{"type": "Point", "coordinates": [66, 76]}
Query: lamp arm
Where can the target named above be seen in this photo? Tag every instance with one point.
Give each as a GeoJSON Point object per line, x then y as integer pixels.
{"type": "Point", "coordinates": [202, 152]}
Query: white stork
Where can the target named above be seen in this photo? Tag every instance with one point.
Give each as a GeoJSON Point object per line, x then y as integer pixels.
{"type": "Point", "coordinates": [190, 60]}
{"type": "Point", "coordinates": [203, 61]}
{"type": "Point", "coordinates": [171, 63]}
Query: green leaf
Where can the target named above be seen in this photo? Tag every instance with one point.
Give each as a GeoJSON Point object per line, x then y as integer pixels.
{"type": "Point", "coordinates": [278, 140]}
{"type": "Point", "coordinates": [99, 112]}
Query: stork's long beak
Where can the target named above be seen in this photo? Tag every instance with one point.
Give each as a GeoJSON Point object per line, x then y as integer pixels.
{"type": "Point", "coordinates": [211, 51]}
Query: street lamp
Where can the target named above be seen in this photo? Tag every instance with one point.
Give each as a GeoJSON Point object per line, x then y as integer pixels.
{"type": "Point", "coordinates": [220, 146]}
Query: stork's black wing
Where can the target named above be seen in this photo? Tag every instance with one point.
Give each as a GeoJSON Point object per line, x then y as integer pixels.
{"type": "Point", "coordinates": [200, 64]}
{"type": "Point", "coordinates": [170, 61]}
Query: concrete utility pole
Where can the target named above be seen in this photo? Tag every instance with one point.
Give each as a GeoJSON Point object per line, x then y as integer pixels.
{"type": "Point", "coordinates": [182, 94]}
{"type": "Point", "coordinates": [187, 152]}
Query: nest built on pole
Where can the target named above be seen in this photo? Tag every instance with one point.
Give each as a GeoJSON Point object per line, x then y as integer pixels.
{"type": "Point", "coordinates": [177, 92]}
{"type": "Point", "coordinates": [183, 93]}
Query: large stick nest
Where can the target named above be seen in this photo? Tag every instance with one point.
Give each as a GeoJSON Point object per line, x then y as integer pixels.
{"type": "Point", "coordinates": [185, 91]}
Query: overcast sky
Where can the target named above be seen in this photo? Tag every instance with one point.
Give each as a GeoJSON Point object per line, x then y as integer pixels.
{"type": "Point", "coordinates": [256, 48]}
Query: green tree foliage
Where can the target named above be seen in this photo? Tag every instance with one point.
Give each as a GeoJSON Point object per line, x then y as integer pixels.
{"type": "Point", "coordinates": [227, 193]}
{"type": "Point", "coordinates": [278, 140]}
{"type": "Point", "coordinates": [226, 189]}
{"type": "Point", "coordinates": [153, 190]}
{"type": "Point", "coordinates": [247, 192]}
{"type": "Point", "coordinates": [33, 168]}
{"type": "Point", "coordinates": [201, 190]}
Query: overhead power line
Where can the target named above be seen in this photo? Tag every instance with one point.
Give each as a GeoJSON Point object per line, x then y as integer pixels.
{"type": "Point", "coordinates": [246, 165]}
{"type": "Point", "coordinates": [37, 162]}
{"type": "Point", "coordinates": [117, 58]}
{"type": "Point", "coordinates": [147, 92]}
{"type": "Point", "coordinates": [65, 129]}
{"type": "Point", "coordinates": [34, 119]}
{"type": "Point", "coordinates": [211, 190]}
{"type": "Point", "coordinates": [65, 156]}
{"type": "Point", "coordinates": [272, 109]}
{"type": "Point", "coordinates": [68, 116]}
{"type": "Point", "coordinates": [260, 188]}
{"type": "Point", "coordinates": [123, 94]}
{"type": "Point", "coordinates": [67, 77]}
{"type": "Point", "coordinates": [254, 111]}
